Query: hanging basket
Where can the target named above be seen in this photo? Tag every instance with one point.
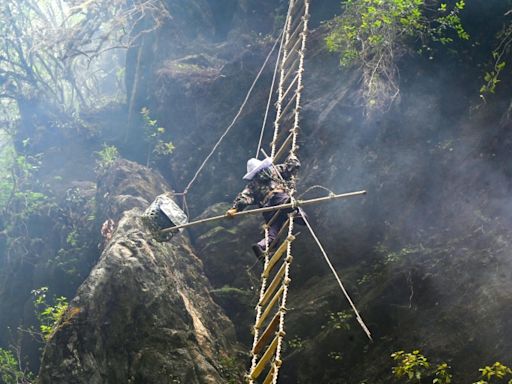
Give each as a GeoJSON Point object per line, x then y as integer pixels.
{"type": "Point", "coordinates": [163, 213]}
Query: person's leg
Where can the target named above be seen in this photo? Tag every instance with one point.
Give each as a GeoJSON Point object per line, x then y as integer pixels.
{"type": "Point", "coordinates": [276, 223]}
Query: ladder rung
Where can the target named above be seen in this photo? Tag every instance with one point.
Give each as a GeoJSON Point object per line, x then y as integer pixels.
{"type": "Point", "coordinates": [283, 147]}
{"type": "Point", "coordinates": [277, 255]}
{"type": "Point", "coordinates": [289, 55]}
{"type": "Point", "coordinates": [264, 359]}
{"type": "Point", "coordinates": [291, 102]}
{"type": "Point", "coordinates": [272, 287]}
{"type": "Point", "coordinates": [270, 375]}
{"type": "Point", "coordinates": [297, 30]}
{"type": "Point", "coordinates": [293, 68]}
{"type": "Point", "coordinates": [295, 12]}
{"type": "Point", "coordinates": [280, 134]}
{"type": "Point", "coordinates": [292, 52]}
{"type": "Point", "coordinates": [291, 86]}
{"type": "Point", "coordinates": [269, 307]}
{"type": "Point", "coordinates": [265, 336]}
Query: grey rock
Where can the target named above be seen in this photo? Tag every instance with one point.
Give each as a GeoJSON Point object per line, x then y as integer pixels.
{"type": "Point", "coordinates": [144, 314]}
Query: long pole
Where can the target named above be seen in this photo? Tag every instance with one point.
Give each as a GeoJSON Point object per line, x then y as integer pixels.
{"type": "Point", "coordinates": [267, 209]}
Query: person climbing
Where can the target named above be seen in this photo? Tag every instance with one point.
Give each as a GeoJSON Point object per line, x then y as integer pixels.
{"type": "Point", "coordinates": [268, 186]}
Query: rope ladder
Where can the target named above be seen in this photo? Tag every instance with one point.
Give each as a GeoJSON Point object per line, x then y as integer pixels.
{"type": "Point", "coordinates": [269, 328]}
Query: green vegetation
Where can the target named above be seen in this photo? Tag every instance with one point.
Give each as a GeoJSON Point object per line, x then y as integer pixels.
{"type": "Point", "coordinates": [106, 157]}
{"type": "Point", "coordinates": [16, 186]}
{"type": "Point", "coordinates": [232, 370]}
{"type": "Point", "coordinates": [10, 370]}
{"type": "Point", "coordinates": [154, 137]}
{"type": "Point", "coordinates": [295, 343]}
{"type": "Point", "coordinates": [339, 320]}
{"type": "Point", "coordinates": [498, 62]}
{"type": "Point", "coordinates": [49, 315]}
{"type": "Point", "coordinates": [414, 367]}
{"type": "Point", "coordinates": [495, 373]}
{"type": "Point", "coordinates": [374, 34]}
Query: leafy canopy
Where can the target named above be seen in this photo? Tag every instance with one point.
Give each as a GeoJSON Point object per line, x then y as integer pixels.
{"type": "Point", "coordinates": [374, 34]}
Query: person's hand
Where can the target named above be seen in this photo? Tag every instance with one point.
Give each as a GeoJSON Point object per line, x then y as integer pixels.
{"type": "Point", "coordinates": [231, 212]}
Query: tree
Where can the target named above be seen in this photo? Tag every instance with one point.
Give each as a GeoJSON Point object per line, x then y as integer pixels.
{"type": "Point", "coordinates": [373, 35]}
{"type": "Point", "coordinates": [53, 52]}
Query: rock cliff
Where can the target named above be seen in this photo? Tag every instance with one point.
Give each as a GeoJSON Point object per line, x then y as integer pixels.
{"type": "Point", "coordinates": [144, 314]}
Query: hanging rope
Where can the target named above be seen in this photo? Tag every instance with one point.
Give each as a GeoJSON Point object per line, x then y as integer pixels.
{"type": "Point", "coordinates": [276, 67]}
{"type": "Point", "coordinates": [235, 119]}
{"type": "Point", "coordinates": [358, 316]}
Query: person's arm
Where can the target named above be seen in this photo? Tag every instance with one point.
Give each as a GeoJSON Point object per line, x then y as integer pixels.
{"type": "Point", "coordinates": [289, 168]}
{"type": "Point", "coordinates": [242, 200]}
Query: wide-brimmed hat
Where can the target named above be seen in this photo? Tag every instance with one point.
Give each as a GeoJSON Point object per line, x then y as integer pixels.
{"type": "Point", "coordinates": [255, 165]}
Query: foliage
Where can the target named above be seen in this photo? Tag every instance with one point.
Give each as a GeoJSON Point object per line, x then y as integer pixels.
{"type": "Point", "coordinates": [442, 374]}
{"type": "Point", "coordinates": [54, 50]}
{"type": "Point", "coordinates": [106, 157]}
{"type": "Point", "coordinates": [498, 62]}
{"type": "Point", "coordinates": [374, 34]}
{"type": "Point", "coordinates": [10, 371]}
{"type": "Point", "coordinates": [295, 343]}
{"type": "Point", "coordinates": [154, 137]}
{"type": "Point", "coordinates": [389, 258]}
{"type": "Point", "coordinates": [232, 370]}
{"type": "Point", "coordinates": [496, 371]}
{"type": "Point", "coordinates": [339, 320]}
{"type": "Point", "coordinates": [336, 356]}
{"type": "Point", "coordinates": [22, 196]}
{"type": "Point", "coordinates": [413, 367]}
{"type": "Point", "coordinates": [49, 315]}
{"type": "Point", "coordinates": [16, 183]}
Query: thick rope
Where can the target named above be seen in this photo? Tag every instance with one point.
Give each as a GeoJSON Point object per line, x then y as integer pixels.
{"type": "Point", "coordinates": [281, 78]}
{"type": "Point", "coordinates": [240, 110]}
{"type": "Point", "coordinates": [270, 95]}
{"type": "Point", "coordinates": [326, 257]}
{"type": "Point", "coordinates": [282, 309]}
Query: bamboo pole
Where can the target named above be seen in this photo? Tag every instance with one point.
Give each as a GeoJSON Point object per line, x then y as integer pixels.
{"type": "Point", "coordinates": [266, 209]}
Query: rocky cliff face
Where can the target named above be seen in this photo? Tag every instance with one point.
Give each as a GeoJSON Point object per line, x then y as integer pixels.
{"type": "Point", "coordinates": [425, 254]}
{"type": "Point", "coordinates": [407, 251]}
{"type": "Point", "coordinates": [144, 314]}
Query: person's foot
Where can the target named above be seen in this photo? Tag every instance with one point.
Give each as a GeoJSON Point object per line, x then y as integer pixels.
{"type": "Point", "coordinates": [260, 253]}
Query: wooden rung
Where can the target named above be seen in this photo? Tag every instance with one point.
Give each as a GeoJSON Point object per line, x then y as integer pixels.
{"type": "Point", "coordinates": [288, 59]}
{"type": "Point", "coordinates": [265, 336]}
{"type": "Point", "coordinates": [295, 12]}
{"type": "Point", "coordinates": [293, 68]}
{"type": "Point", "coordinates": [265, 359]}
{"type": "Point", "coordinates": [269, 307]}
{"type": "Point", "coordinates": [298, 30]}
{"type": "Point", "coordinates": [277, 255]}
{"type": "Point", "coordinates": [270, 375]}
{"type": "Point", "coordinates": [285, 94]}
{"type": "Point", "coordinates": [279, 136]}
{"type": "Point", "coordinates": [273, 285]}
{"type": "Point", "coordinates": [294, 50]}
{"type": "Point", "coordinates": [280, 152]}
{"type": "Point", "coordinates": [291, 102]}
